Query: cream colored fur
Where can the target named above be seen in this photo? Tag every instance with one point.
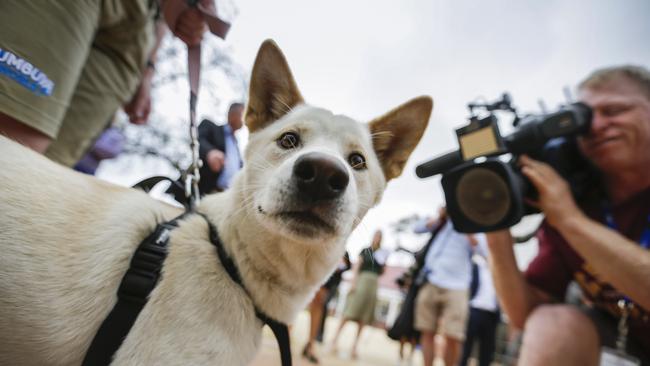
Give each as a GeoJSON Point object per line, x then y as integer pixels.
{"type": "Point", "coordinates": [66, 239]}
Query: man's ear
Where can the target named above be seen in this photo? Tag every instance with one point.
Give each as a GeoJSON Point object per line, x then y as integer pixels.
{"type": "Point", "coordinates": [395, 134]}
{"type": "Point", "coordinates": [273, 91]}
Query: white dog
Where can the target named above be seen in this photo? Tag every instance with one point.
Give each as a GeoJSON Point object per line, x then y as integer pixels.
{"type": "Point", "coordinates": [66, 239]}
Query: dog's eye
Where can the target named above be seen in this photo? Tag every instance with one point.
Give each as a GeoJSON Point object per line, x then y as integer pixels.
{"type": "Point", "coordinates": [289, 140]}
{"type": "Point", "coordinates": [357, 161]}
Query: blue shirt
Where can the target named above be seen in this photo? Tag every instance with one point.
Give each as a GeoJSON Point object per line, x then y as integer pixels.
{"type": "Point", "coordinates": [448, 262]}
{"type": "Point", "coordinates": [232, 161]}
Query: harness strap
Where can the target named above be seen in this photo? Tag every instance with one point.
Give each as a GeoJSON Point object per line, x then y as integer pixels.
{"type": "Point", "coordinates": [147, 184]}
{"type": "Point", "coordinates": [138, 282]}
{"type": "Point", "coordinates": [281, 333]}
{"type": "Point", "coordinates": [279, 329]}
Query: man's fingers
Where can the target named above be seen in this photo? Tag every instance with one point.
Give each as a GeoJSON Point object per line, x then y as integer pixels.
{"type": "Point", "coordinates": [534, 176]}
{"type": "Point", "coordinates": [530, 173]}
{"type": "Point", "coordinates": [190, 27]}
{"type": "Point", "coordinates": [543, 170]}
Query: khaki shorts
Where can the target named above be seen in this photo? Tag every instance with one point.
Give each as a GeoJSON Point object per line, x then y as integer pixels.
{"type": "Point", "coordinates": [67, 66]}
{"type": "Point", "coordinates": [435, 305]}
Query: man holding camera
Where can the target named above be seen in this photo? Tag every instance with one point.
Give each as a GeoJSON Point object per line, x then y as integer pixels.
{"type": "Point", "coordinates": [602, 244]}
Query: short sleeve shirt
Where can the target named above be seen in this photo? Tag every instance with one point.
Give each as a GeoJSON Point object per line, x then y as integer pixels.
{"type": "Point", "coordinates": [557, 263]}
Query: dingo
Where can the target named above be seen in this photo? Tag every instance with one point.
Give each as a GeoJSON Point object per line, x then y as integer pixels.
{"type": "Point", "coordinates": [66, 239]}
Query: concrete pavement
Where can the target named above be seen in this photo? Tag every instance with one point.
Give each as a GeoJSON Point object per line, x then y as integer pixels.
{"type": "Point", "coordinates": [375, 348]}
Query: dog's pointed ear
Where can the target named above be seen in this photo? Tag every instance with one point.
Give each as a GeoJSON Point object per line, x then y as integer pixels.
{"type": "Point", "coordinates": [273, 91]}
{"type": "Point", "coordinates": [396, 133]}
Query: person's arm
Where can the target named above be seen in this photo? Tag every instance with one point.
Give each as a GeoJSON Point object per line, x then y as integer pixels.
{"type": "Point", "coordinates": [425, 225]}
{"type": "Point", "coordinates": [356, 268]}
{"type": "Point", "coordinates": [346, 260]}
{"type": "Point", "coordinates": [517, 297]}
{"type": "Point", "coordinates": [617, 260]}
{"type": "Point", "coordinates": [139, 107]}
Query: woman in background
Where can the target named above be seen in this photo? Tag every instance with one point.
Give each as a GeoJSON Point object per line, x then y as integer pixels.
{"type": "Point", "coordinates": [318, 307]}
{"type": "Point", "coordinates": [362, 297]}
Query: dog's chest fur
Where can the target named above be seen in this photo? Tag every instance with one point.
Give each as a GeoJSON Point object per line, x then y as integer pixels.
{"type": "Point", "coordinates": [201, 315]}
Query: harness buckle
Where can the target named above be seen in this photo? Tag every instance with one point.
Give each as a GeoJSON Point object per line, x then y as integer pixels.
{"type": "Point", "coordinates": [144, 271]}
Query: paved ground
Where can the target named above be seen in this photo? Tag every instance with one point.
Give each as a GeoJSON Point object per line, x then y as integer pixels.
{"type": "Point", "coordinates": [375, 348]}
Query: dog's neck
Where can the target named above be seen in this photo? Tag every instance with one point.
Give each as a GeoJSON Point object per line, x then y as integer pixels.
{"type": "Point", "coordinates": [280, 275]}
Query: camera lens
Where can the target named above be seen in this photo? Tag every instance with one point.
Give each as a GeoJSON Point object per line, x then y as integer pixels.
{"type": "Point", "coordinates": [483, 196]}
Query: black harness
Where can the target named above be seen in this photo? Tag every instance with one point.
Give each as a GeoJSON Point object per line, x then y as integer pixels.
{"type": "Point", "coordinates": [141, 278]}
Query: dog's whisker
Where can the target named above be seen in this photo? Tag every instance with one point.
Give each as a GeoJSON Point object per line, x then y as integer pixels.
{"type": "Point", "coordinates": [263, 163]}
{"type": "Point", "coordinates": [381, 134]}
{"type": "Point", "coordinates": [284, 104]}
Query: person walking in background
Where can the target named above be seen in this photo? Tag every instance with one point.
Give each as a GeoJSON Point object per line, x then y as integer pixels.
{"type": "Point", "coordinates": [362, 296]}
{"type": "Point", "coordinates": [402, 329]}
{"type": "Point", "coordinates": [484, 314]}
{"type": "Point", "coordinates": [443, 299]}
{"type": "Point", "coordinates": [318, 307]}
{"type": "Point", "coordinates": [332, 286]}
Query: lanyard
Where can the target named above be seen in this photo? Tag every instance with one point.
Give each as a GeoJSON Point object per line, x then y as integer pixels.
{"type": "Point", "coordinates": [625, 304]}
{"type": "Point", "coordinates": [644, 241]}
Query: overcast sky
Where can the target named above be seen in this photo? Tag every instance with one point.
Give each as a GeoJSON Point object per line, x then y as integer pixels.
{"type": "Point", "coordinates": [362, 58]}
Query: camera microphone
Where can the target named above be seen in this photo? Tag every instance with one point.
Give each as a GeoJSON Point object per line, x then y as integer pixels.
{"type": "Point", "coordinates": [439, 165]}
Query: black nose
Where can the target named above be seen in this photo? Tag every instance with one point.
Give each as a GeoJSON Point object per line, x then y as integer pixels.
{"type": "Point", "coordinates": [320, 177]}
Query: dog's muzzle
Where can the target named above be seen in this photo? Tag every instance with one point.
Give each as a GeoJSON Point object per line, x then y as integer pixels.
{"type": "Point", "coordinates": [319, 178]}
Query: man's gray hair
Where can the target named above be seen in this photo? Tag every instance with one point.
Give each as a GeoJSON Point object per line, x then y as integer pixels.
{"type": "Point", "coordinates": [637, 74]}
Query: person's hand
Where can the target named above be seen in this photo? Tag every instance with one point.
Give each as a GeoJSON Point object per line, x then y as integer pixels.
{"type": "Point", "coordinates": [431, 222]}
{"type": "Point", "coordinates": [555, 198]}
{"type": "Point", "coordinates": [189, 26]}
{"type": "Point", "coordinates": [215, 159]}
{"type": "Point", "coordinates": [139, 107]}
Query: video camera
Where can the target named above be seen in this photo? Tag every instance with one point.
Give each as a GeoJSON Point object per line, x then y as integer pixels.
{"type": "Point", "coordinates": [484, 187]}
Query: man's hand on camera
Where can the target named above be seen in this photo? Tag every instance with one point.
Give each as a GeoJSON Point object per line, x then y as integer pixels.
{"type": "Point", "coordinates": [555, 198]}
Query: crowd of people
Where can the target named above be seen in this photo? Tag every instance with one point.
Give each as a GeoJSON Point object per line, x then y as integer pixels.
{"type": "Point", "coordinates": [598, 245]}
{"type": "Point", "coordinates": [56, 97]}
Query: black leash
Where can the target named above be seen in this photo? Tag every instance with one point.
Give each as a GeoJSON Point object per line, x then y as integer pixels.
{"type": "Point", "coordinates": [280, 330]}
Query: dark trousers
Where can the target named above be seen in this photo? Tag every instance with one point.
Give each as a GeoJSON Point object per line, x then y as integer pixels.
{"type": "Point", "coordinates": [481, 327]}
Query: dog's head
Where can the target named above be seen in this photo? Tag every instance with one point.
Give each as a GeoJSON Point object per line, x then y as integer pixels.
{"type": "Point", "coordinates": [311, 175]}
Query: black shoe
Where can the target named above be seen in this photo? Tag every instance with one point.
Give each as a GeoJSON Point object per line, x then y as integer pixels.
{"type": "Point", "coordinates": [306, 353]}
